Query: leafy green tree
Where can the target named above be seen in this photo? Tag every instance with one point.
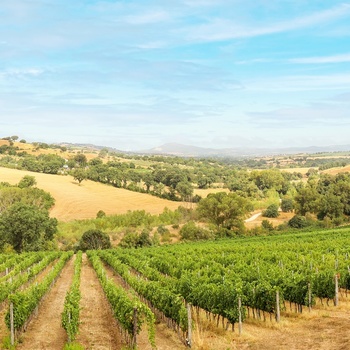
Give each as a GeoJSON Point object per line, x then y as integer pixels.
{"type": "Point", "coordinates": [94, 240]}
{"type": "Point", "coordinates": [79, 174]}
{"type": "Point", "coordinates": [80, 160]}
{"type": "Point", "coordinates": [224, 210]}
{"type": "Point", "coordinates": [10, 195]}
{"type": "Point", "coordinates": [27, 181]}
{"type": "Point", "coordinates": [271, 211]}
{"type": "Point", "coordinates": [268, 179]}
{"type": "Point", "coordinates": [306, 199]}
{"type": "Point", "coordinates": [26, 227]}
{"type": "Point", "coordinates": [298, 221]}
{"type": "Point", "coordinates": [287, 205]}
{"type": "Point", "coordinates": [331, 206]}
{"type": "Point", "coordinates": [95, 161]}
{"type": "Point", "coordinates": [185, 190]}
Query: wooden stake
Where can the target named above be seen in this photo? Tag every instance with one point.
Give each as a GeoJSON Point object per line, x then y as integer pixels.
{"type": "Point", "coordinates": [134, 331]}
{"type": "Point", "coordinates": [239, 316]}
{"type": "Point", "coordinates": [12, 325]}
{"type": "Point", "coordinates": [278, 311]}
{"type": "Point", "coordinates": [336, 298]}
{"type": "Point", "coordinates": [310, 296]}
{"type": "Point", "coordinates": [189, 318]}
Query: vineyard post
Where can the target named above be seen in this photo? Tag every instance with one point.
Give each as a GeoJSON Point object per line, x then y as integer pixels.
{"type": "Point", "coordinates": [69, 320]}
{"type": "Point", "coordinates": [189, 319]}
{"type": "Point", "coordinates": [310, 295]}
{"type": "Point", "coordinates": [336, 298]}
{"type": "Point", "coordinates": [278, 312]}
{"type": "Point", "coordinates": [239, 316]}
{"type": "Point", "coordinates": [7, 271]}
{"type": "Point", "coordinates": [134, 331]}
{"type": "Point", "coordinates": [12, 327]}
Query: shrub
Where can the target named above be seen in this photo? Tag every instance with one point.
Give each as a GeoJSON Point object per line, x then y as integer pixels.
{"type": "Point", "coordinates": [271, 211]}
{"type": "Point", "coordinates": [298, 221]}
{"type": "Point", "coordinates": [287, 205]}
{"type": "Point", "coordinates": [100, 214]}
{"type": "Point", "coordinates": [94, 240]}
{"type": "Point", "coordinates": [192, 232]}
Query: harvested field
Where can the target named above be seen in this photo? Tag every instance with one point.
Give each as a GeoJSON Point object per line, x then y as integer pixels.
{"type": "Point", "coordinates": [74, 201]}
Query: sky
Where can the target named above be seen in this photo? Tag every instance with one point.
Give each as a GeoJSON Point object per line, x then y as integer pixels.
{"type": "Point", "coordinates": [135, 74]}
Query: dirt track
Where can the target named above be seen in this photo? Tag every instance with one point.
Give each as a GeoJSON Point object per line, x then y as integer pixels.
{"type": "Point", "coordinates": [98, 329]}
{"type": "Point", "coordinates": [45, 331]}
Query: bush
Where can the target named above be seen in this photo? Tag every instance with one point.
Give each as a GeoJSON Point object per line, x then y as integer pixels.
{"type": "Point", "coordinates": [271, 211]}
{"type": "Point", "coordinates": [100, 214]}
{"type": "Point", "coordinates": [134, 240]}
{"type": "Point", "coordinates": [94, 240]}
{"type": "Point", "coordinates": [298, 221]}
{"type": "Point", "coordinates": [192, 232]}
{"type": "Point", "coordinates": [287, 205]}
{"type": "Point", "coordinates": [267, 225]}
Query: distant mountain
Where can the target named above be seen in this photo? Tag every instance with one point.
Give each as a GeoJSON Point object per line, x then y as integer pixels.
{"type": "Point", "coordinates": [181, 150]}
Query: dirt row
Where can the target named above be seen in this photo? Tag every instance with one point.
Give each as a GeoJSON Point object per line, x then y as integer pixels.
{"type": "Point", "coordinates": [325, 328]}
{"type": "Point", "coordinates": [98, 328]}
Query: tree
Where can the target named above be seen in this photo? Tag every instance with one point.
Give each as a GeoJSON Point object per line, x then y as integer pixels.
{"type": "Point", "coordinates": [26, 227]}
{"type": "Point", "coordinates": [185, 190]}
{"type": "Point", "coordinates": [271, 211]}
{"type": "Point", "coordinates": [287, 205]}
{"type": "Point", "coordinates": [100, 214]}
{"type": "Point", "coordinates": [80, 160]}
{"type": "Point", "coordinates": [94, 240]}
{"type": "Point", "coordinates": [27, 181]}
{"type": "Point", "coordinates": [331, 206]}
{"type": "Point", "coordinates": [306, 200]}
{"type": "Point", "coordinates": [79, 174]}
{"type": "Point", "coordinates": [224, 210]}
{"type": "Point", "coordinates": [298, 221]}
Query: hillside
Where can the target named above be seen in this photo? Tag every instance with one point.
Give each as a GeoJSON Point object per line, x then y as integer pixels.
{"type": "Point", "coordinates": [84, 201]}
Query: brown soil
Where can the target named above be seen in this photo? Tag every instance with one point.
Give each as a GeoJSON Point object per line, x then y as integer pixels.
{"type": "Point", "coordinates": [98, 328]}
{"type": "Point", "coordinates": [45, 331]}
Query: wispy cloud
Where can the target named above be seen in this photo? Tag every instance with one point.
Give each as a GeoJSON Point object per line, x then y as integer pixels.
{"type": "Point", "coordinates": [220, 29]}
{"type": "Point", "coordinates": [322, 59]}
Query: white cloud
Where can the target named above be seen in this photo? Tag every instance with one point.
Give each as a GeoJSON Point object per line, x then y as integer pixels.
{"type": "Point", "coordinates": [220, 29]}
{"type": "Point", "coordinates": [322, 59]}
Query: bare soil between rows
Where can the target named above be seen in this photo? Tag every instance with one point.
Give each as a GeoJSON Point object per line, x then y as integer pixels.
{"type": "Point", "coordinates": [98, 329]}
{"type": "Point", "coordinates": [45, 331]}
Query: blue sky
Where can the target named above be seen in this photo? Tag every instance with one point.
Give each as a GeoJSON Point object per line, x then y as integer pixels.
{"type": "Point", "coordinates": [212, 73]}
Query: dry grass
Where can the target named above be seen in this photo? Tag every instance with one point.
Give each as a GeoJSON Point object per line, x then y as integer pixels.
{"type": "Point", "coordinates": [204, 192]}
{"type": "Point", "coordinates": [324, 328]}
{"type": "Point", "coordinates": [281, 219]}
{"type": "Point", "coordinates": [84, 201]}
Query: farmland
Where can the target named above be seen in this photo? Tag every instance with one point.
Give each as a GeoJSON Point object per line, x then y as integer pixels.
{"type": "Point", "coordinates": [285, 280]}
{"type": "Point", "coordinates": [74, 202]}
{"type": "Point", "coordinates": [300, 266]}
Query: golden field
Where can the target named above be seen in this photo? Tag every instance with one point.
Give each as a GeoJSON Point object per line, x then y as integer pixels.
{"type": "Point", "coordinates": [74, 201]}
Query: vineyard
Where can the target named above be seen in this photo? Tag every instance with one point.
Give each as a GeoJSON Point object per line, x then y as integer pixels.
{"type": "Point", "coordinates": [201, 295]}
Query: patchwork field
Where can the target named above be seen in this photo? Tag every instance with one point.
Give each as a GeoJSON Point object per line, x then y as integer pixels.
{"type": "Point", "coordinates": [74, 201]}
